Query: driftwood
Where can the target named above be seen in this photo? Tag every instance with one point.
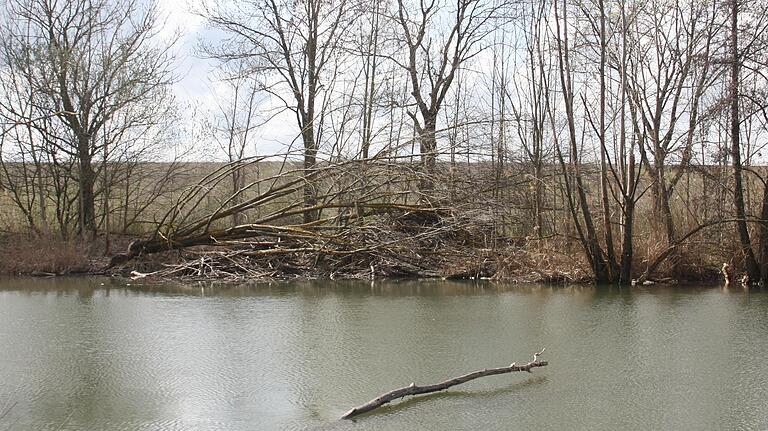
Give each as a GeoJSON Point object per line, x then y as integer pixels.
{"type": "Point", "coordinates": [412, 389]}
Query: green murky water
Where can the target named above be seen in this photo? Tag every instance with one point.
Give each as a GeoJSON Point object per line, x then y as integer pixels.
{"type": "Point", "coordinates": [95, 354]}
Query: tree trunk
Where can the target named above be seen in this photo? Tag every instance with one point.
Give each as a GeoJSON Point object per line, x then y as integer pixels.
{"type": "Point", "coordinates": [661, 209]}
{"type": "Point", "coordinates": [428, 149]}
{"type": "Point", "coordinates": [588, 235]}
{"type": "Point", "coordinates": [750, 263]}
{"type": "Point", "coordinates": [605, 203]}
{"type": "Point", "coordinates": [310, 165]}
{"type": "Point", "coordinates": [86, 182]}
{"type": "Point", "coordinates": [537, 198]}
{"type": "Point", "coordinates": [238, 184]}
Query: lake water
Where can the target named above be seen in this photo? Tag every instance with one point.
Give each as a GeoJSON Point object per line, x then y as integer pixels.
{"type": "Point", "coordinates": [95, 354]}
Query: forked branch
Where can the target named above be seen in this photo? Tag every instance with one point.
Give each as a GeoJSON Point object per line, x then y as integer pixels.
{"type": "Point", "coordinates": [412, 389]}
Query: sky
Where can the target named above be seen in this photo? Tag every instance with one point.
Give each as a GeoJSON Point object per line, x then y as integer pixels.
{"type": "Point", "coordinates": [194, 72]}
{"type": "Point", "coordinates": [197, 85]}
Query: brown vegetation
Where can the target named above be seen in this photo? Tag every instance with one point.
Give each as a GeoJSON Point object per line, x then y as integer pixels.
{"type": "Point", "coordinates": [43, 256]}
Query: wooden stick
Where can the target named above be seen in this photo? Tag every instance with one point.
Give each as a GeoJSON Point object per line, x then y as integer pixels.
{"type": "Point", "coordinates": [412, 389]}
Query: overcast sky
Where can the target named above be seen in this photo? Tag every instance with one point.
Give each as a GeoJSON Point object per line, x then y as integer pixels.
{"type": "Point", "coordinates": [197, 85]}
{"type": "Point", "coordinates": [194, 71]}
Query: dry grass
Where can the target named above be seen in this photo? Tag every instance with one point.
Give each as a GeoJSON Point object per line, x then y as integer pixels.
{"type": "Point", "coordinates": [541, 262]}
{"type": "Point", "coordinates": [43, 256]}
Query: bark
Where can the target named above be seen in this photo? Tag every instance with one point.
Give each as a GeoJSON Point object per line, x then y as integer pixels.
{"type": "Point", "coordinates": [628, 178]}
{"type": "Point", "coordinates": [661, 207]}
{"type": "Point", "coordinates": [238, 183]}
{"type": "Point", "coordinates": [625, 266]}
{"type": "Point", "coordinates": [106, 187]}
{"type": "Point", "coordinates": [308, 117]}
{"type": "Point", "coordinates": [412, 389]}
{"type": "Point", "coordinates": [310, 168]}
{"type": "Point", "coordinates": [538, 203]}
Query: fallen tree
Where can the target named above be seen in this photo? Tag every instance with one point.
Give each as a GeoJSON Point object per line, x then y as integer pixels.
{"type": "Point", "coordinates": [412, 389]}
{"type": "Point", "coordinates": [274, 207]}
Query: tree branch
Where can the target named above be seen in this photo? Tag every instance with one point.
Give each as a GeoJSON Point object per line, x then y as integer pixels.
{"type": "Point", "coordinates": [412, 389]}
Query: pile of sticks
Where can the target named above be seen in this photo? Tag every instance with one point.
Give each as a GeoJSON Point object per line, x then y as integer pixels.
{"type": "Point", "coordinates": [400, 243]}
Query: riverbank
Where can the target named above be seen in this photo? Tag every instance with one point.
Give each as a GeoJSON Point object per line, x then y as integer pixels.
{"type": "Point", "coordinates": [383, 225]}
{"type": "Point", "coordinates": [405, 257]}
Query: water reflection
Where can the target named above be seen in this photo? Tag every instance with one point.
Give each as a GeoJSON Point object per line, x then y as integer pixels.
{"type": "Point", "coordinates": [88, 287]}
{"type": "Point", "coordinates": [99, 354]}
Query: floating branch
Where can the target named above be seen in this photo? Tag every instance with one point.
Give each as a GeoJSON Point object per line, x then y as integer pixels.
{"type": "Point", "coordinates": [412, 389]}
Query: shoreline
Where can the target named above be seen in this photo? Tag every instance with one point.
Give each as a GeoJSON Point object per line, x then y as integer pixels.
{"type": "Point", "coordinates": [261, 260]}
{"type": "Point", "coordinates": [126, 272]}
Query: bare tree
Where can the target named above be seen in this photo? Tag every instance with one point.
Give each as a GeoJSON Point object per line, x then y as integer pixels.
{"type": "Point", "coordinates": [289, 45]}
{"type": "Point", "coordinates": [434, 57]}
{"type": "Point", "coordinates": [578, 204]}
{"type": "Point", "coordinates": [89, 60]}
{"type": "Point", "coordinates": [745, 54]}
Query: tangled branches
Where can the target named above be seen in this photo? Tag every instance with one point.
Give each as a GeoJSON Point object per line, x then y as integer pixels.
{"type": "Point", "coordinates": [388, 245]}
{"type": "Point", "coordinates": [371, 223]}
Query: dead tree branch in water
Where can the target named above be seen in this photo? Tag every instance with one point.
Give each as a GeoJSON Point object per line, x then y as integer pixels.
{"type": "Point", "coordinates": [412, 389]}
